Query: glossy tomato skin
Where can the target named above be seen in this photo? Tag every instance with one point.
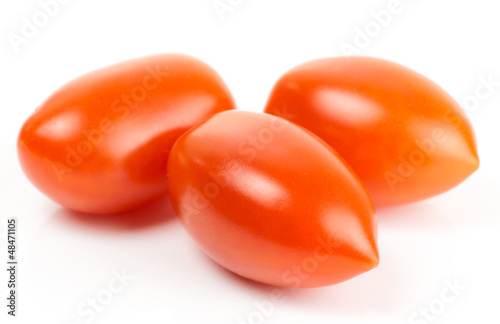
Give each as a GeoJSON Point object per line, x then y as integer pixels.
{"type": "Point", "coordinates": [271, 202]}
{"type": "Point", "coordinates": [404, 136]}
{"type": "Point", "coordinates": [100, 143]}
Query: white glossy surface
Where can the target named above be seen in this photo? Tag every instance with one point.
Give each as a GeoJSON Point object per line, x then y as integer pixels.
{"type": "Point", "coordinates": [65, 259]}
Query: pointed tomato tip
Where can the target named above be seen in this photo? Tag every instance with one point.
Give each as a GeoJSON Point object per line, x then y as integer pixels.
{"type": "Point", "coordinates": [476, 164]}
{"type": "Point", "coordinates": [375, 262]}
{"type": "Point", "coordinates": [472, 162]}
{"type": "Point", "coordinates": [371, 258]}
{"type": "Point", "coordinates": [372, 261]}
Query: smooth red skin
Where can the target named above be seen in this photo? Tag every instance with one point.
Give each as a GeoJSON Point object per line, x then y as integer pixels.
{"type": "Point", "coordinates": [289, 193]}
{"type": "Point", "coordinates": [372, 112]}
{"type": "Point", "coordinates": [127, 168]}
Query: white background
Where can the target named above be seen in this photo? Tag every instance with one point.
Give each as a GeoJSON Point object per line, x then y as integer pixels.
{"type": "Point", "coordinates": [65, 259]}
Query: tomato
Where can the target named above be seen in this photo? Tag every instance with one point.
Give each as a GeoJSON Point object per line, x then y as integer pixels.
{"type": "Point", "coordinates": [271, 202]}
{"type": "Point", "coordinates": [404, 136]}
{"type": "Point", "coordinates": [100, 143]}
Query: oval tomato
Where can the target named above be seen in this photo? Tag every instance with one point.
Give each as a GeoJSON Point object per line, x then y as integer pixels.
{"type": "Point", "coordinates": [100, 143]}
{"type": "Point", "coordinates": [272, 202]}
{"type": "Point", "coordinates": [404, 136]}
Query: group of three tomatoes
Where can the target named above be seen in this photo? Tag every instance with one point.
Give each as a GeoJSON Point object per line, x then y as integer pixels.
{"type": "Point", "coordinates": [266, 195]}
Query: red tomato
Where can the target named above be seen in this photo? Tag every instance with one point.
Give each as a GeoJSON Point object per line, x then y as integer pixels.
{"type": "Point", "coordinates": [404, 136]}
{"type": "Point", "coordinates": [100, 143]}
{"type": "Point", "coordinates": [272, 202]}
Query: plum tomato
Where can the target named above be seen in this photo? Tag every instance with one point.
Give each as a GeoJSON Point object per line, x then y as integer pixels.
{"type": "Point", "coordinates": [100, 143]}
{"type": "Point", "coordinates": [272, 202]}
{"type": "Point", "coordinates": [405, 137]}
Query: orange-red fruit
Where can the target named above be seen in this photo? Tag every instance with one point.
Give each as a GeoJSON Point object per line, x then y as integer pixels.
{"type": "Point", "coordinates": [271, 202]}
{"type": "Point", "coordinates": [100, 143]}
{"type": "Point", "coordinates": [404, 136]}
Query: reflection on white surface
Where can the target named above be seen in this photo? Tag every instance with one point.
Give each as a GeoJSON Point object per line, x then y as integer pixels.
{"type": "Point", "coordinates": [63, 261]}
